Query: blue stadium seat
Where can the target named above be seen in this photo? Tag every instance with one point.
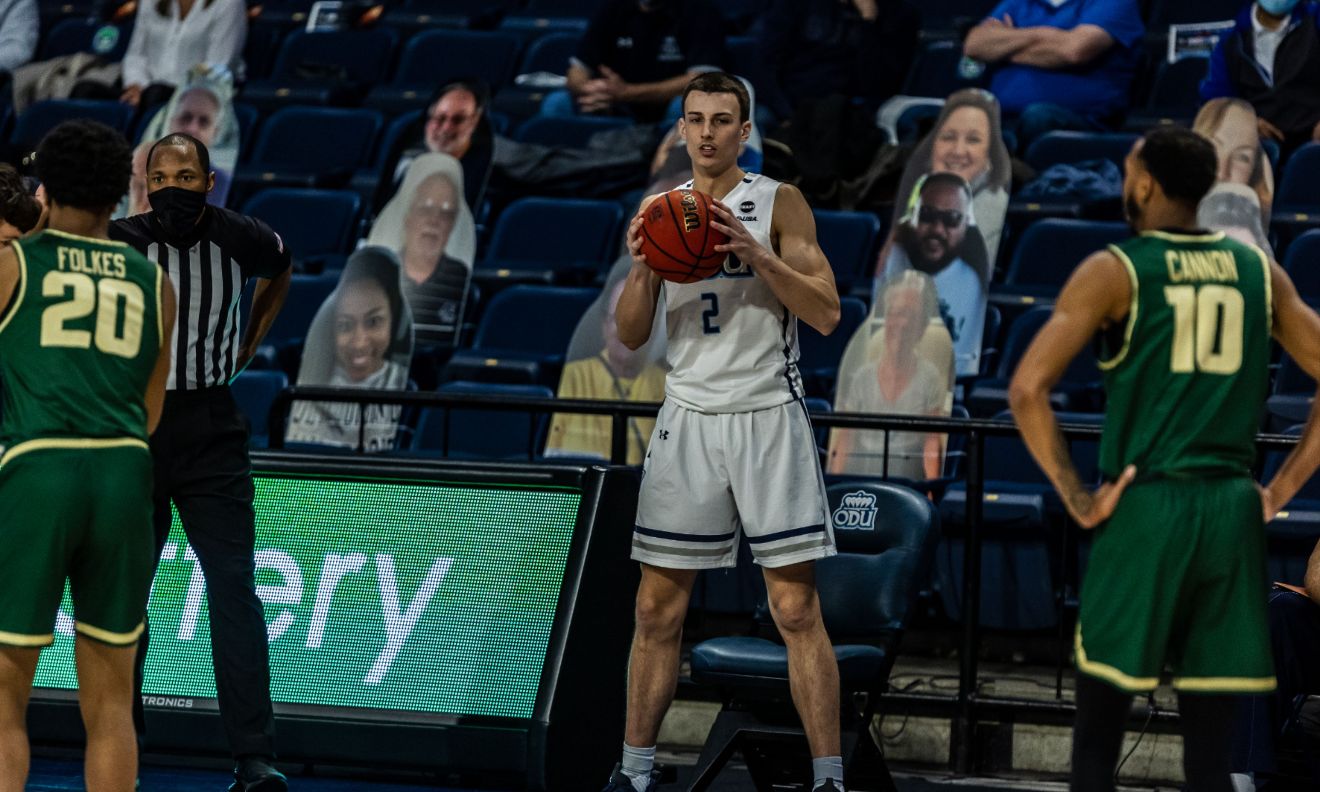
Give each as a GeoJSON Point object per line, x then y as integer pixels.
{"type": "Point", "coordinates": [566, 131]}
{"type": "Point", "coordinates": [1299, 189]}
{"type": "Point", "coordinates": [1180, 12]}
{"type": "Point", "coordinates": [539, 17]}
{"type": "Point", "coordinates": [1293, 392]}
{"type": "Point", "coordinates": [849, 240]}
{"type": "Point", "coordinates": [522, 336]}
{"type": "Point", "coordinates": [1048, 253]}
{"type": "Point", "coordinates": [71, 35]}
{"type": "Point", "coordinates": [585, 234]}
{"type": "Point", "coordinates": [951, 15]}
{"type": "Point", "coordinates": [1078, 391]}
{"type": "Point", "coordinates": [262, 45]}
{"type": "Point", "coordinates": [334, 67]}
{"type": "Point", "coordinates": [820, 355]}
{"type": "Point", "coordinates": [939, 69]}
{"type": "Point", "coordinates": [1177, 86]}
{"type": "Point", "coordinates": [306, 293]}
{"type": "Point", "coordinates": [255, 391]}
{"type": "Point", "coordinates": [550, 53]}
{"type": "Point", "coordinates": [417, 15]}
{"type": "Point", "coordinates": [249, 118]}
{"type": "Point", "coordinates": [482, 434]}
{"type": "Point", "coordinates": [310, 147]}
{"type": "Point", "coordinates": [1068, 147]}
{"type": "Point", "coordinates": [41, 117]}
{"type": "Point", "coordinates": [314, 224]}
{"type": "Point", "coordinates": [1303, 265]}
{"type": "Point", "coordinates": [435, 57]}
{"type": "Point", "coordinates": [1292, 535]}
{"type": "Point", "coordinates": [867, 593]}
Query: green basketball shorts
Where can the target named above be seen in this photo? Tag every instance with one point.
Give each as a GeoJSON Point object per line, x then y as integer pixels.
{"type": "Point", "coordinates": [77, 510]}
{"type": "Point", "coordinates": [1177, 579]}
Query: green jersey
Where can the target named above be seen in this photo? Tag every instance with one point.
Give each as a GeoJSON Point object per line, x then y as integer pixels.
{"type": "Point", "coordinates": [1186, 380]}
{"type": "Point", "coordinates": [78, 341]}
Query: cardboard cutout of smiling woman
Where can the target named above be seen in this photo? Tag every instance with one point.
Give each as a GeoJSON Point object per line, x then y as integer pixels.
{"type": "Point", "coordinates": [361, 337]}
{"type": "Point", "coordinates": [204, 108]}
{"type": "Point", "coordinates": [599, 366]}
{"type": "Point", "coordinates": [1230, 124]}
{"type": "Point", "coordinates": [900, 362]}
{"type": "Point", "coordinates": [429, 227]}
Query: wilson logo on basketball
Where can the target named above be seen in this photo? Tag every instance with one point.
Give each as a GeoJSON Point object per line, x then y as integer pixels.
{"type": "Point", "coordinates": [691, 217]}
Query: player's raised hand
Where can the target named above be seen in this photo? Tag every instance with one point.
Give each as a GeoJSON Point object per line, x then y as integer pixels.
{"type": "Point", "coordinates": [741, 242]}
{"type": "Point", "coordinates": [1090, 509]}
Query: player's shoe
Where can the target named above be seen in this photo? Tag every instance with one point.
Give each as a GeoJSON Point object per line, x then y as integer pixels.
{"type": "Point", "coordinates": [827, 785]}
{"type": "Point", "coordinates": [254, 774]}
{"type": "Point", "coordinates": [622, 783]}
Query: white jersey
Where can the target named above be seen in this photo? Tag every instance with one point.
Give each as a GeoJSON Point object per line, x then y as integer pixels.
{"type": "Point", "coordinates": [733, 346]}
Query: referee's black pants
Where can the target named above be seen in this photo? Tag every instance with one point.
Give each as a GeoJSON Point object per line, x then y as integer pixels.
{"type": "Point", "coordinates": [200, 452]}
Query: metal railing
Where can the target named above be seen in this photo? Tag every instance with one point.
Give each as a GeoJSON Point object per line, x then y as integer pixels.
{"type": "Point", "coordinates": [967, 705]}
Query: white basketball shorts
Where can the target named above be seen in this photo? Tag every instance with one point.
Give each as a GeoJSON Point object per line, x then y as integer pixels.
{"type": "Point", "coordinates": [708, 475]}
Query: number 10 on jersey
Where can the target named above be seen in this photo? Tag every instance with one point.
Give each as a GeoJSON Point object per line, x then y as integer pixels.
{"type": "Point", "coordinates": [1207, 329]}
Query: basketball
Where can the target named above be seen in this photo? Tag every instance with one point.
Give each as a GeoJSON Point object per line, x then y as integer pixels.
{"type": "Point", "coordinates": [677, 239]}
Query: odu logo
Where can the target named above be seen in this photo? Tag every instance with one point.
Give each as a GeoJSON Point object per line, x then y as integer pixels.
{"type": "Point", "coordinates": [856, 511]}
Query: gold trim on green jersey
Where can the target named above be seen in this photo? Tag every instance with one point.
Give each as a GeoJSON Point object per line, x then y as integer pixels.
{"type": "Point", "coordinates": [19, 288]}
{"type": "Point", "coordinates": [108, 637]}
{"type": "Point", "coordinates": [1106, 365]}
{"type": "Point", "coordinates": [94, 240]}
{"type": "Point", "coordinates": [1108, 673]}
{"type": "Point", "coordinates": [1269, 289]}
{"type": "Point", "coordinates": [77, 443]}
{"type": "Point", "coordinates": [1225, 684]}
{"type": "Point", "coordinates": [1212, 236]}
{"type": "Point", "coordinates": [26, 641]}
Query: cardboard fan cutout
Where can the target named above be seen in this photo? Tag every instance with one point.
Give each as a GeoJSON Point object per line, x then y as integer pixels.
{"type": "Point", "coordinates": [900, 362]}
{"type": "Point", "coordinates": [1239, 203]}
{"type": "Point", "coordinates": [599, 366]}
{"type": "Point", "coordinates": [361, 337]}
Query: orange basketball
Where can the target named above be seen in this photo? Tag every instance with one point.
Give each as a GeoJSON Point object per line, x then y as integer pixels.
{"type": "Point", "coordinates": [677, 239]}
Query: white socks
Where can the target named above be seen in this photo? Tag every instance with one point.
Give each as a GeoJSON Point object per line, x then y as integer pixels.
{"type": "Point", "coordinates": [637, 764]}
{"type": "Point", "coordinates": [1243, 782]}
{"type": "Point", "coordinates": [827, 768]}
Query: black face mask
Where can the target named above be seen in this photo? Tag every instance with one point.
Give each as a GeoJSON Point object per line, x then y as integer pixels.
{"type": "Point", "coordinates": [176, 209]}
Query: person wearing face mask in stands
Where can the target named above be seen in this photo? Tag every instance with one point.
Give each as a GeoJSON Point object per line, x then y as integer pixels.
{"type": "Point", "coordinates": [1271, 58]}
{"type": "Point", "coordinates": [200, 450]}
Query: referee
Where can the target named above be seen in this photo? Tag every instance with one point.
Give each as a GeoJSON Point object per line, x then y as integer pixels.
{"type": "Point", "coordinates": [200, 449]}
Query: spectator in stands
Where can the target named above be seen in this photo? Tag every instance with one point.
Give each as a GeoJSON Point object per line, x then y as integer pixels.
{"type": "Point", "coordinates": [361, 337]}
{"type": "Point", "coordinates": [455, 124]}
{"type": "Point", "coordinates": [1271, 58]}
{"type": "Point", "coordinates": [899, 382]}
{"type": "Point", "coordinates": [1059, 64]}
{"type": "Point", "coordinates": [1231, 124]}
{"type": "Point", "coordinates": [637, 56]}
{"type": "Point", "coordinates": [170, 37]}
{"type": "Point", "coordinates": [600, 367]}
{"type": "Point", "coordinates": [20, 210]}
{"type": "Point", "coordinates": [858, 48]}
{"type": "Point", "coordinates": [1294, 614]}
{"type": "Point", "coordinates": [19, 31]}
{"type": "Point", "coordinates": [429, 227]}
{"type": "Point", "coordinates": [966, 140]}
{"type": "Point", "coordinates": [938, 236]}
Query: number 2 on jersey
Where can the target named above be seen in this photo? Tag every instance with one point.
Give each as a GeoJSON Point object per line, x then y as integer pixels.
{"type": "Point", "coordinates": [1207, 329]}
{"type": "Point", "coordinates": [118, 332]}
{"type": "Point", "coordinates": [708, 315]}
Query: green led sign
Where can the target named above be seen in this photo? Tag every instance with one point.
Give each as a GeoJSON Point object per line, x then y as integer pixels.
{"type": "Point", "coordinates": [378, 594]}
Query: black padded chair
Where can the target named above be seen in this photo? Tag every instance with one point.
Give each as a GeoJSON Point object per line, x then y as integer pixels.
{"type": "Point", "coordinates": [886, 536]}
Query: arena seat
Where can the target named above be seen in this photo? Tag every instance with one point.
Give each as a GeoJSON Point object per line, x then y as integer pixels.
{"type": "Point", "coordinates": [418, 15]}
{"type": "Point", "coordinates": [41, 117]}
{"type": "Point", "coordinates": [1299, 189]}
{"type": "Point", "coordinates": [1180, 12]}
{"type": "Point", "coordinates": [81, 35]}
{"type": "Point", "coordinates": [458, 433]}
{"type": "Point", "coordinates": [1303, 265]}
{"type": "Point", "coordinates": [435, 57]}
{"type": "Point", "coordinates": [310, 147]}
{"type": "Point", "coordinates": [522, 336]}
{"type": "Point", "coordinates": [1078, 391]}
{"type": "Point", "coordinates": [585, 235]}
{"type": "Point", "coordinates": [1048, 252]}
{"type": "Point", "coordinates": [254, 391]}
{"type": "Point", "coordinates": [306, 293]}
{"type": "Point", "coordinates": [566, 131]}
{"type": "Point", "coordinates": [850, 241]}
{"type": "Point", "coordinates": [1290, 400]}
{"type": "Point", "coordinates": [820, 355]}
{"type": "Point", "coordinates": [1175, 93]}
{"type": "Point", "coordinates": [550, 53]}
{"type": "Point", "coordinates": [1292, 535]}
{"type": "Point", "coordinates": [314, 224]}
{"type": "Point", "coordinates": [539, 17]}
{"type": "Point", "coordinates": [938, 70]}
{"type": "Point", "coordinates": [1055, 148]}
{"type": "Point", "coordinates": [333, 67]}
{"type": "Point", "coordinates": [866, 599]}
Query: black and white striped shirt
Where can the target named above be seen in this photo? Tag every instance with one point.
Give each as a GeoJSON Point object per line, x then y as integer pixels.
{"type": "Point", "coordinates": [208, 269]}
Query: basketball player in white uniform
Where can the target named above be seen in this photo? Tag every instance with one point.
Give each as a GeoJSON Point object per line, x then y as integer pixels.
{"type": "Point", "coordinates": [732, 451]}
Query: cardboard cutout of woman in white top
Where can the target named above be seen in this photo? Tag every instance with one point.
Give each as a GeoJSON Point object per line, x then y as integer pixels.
{"type": "Point", "coordinates": [430, 228]}
{"type": "Point", "coordinates": [361, 337]}
{"type": "Point", "coordinates": [1239, 203]}
{"type": "Point", "coordinates": [899, 362]}
{"type": "Point", "coordinates": [598, 366]}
